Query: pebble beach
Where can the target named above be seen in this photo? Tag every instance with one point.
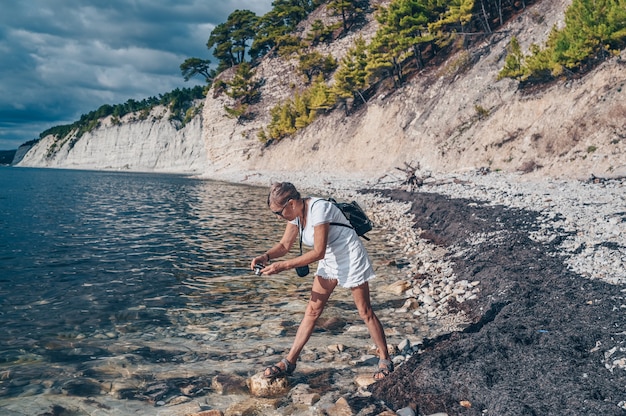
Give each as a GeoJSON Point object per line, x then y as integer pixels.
{"type": "Point", "coordinates": [586, 218]}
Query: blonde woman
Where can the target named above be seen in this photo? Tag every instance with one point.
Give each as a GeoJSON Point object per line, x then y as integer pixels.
{"type": "Point", "coordinates": [342, 260]}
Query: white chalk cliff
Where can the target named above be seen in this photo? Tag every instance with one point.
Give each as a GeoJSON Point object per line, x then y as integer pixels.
{"type": "Point", "coordinates": [153, 144]}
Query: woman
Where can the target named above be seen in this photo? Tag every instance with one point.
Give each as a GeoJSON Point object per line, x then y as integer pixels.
{"type": "Point", "coordinates": [342, 259]}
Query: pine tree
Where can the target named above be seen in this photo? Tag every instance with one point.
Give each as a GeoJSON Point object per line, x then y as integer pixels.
{"type": "Point", "coordinates": [244, 90]}
{"type": "Point", "coordinates": [231, 38]}
{"type": "Point", "coordinates": [349, 10]}
{"type": "Point", "coordinates": [314, 63]}
{"type": "Point", "coordinates": [321, 96]}
{"type": "Point", "coordinates": [351, 77]}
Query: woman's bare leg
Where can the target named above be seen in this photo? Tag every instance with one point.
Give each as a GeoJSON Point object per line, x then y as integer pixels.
{"type": "Point", "coordinates": [361, 296]}
{"type": "Point", "coordinates": [321, 291]}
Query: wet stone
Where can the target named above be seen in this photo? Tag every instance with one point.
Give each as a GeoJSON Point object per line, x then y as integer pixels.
{"type": "Point", "coordinates": [260, 386]}
{"type": "Point", "coordinates": [81, 387]}
{"type": "Point", "coordinates": [302, 394]}
{"type": "Point", "coordinates": [253, 407]}
{"type": "Point", "coordinates": [340, 408]}
{"type": "Point", "coordinates": [229, 384]}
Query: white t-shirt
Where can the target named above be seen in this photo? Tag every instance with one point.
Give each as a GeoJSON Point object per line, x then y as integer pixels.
{"type": "Point", "coordinates": [346, 258]}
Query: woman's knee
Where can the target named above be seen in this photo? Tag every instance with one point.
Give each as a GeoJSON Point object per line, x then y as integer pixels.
{"type": "Point", "coordinates": [366, 313]}
{"type": "Point", "coordinates": [314, 310]}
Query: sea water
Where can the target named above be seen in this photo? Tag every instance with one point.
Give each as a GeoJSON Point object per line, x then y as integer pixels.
{"type": "Point", "coordinates": [110, 281]}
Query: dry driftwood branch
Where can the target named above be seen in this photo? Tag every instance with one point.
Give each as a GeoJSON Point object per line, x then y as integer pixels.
{"type": "Point", "coordinates": [412, 180]}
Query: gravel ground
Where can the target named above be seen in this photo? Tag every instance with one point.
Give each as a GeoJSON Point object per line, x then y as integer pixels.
{"type": "Point", "coordinates": [548, 329]}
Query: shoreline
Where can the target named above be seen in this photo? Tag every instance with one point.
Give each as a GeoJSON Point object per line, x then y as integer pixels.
{"type": "Point", "coordinates": [582, 224]}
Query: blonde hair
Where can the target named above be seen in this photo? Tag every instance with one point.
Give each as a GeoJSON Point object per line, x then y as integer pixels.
{"type": "Point", "coordinates": [281, 192]}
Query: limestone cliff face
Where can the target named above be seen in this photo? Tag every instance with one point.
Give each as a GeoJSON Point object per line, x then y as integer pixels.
{"type": "Point", "coordinates": [151, 144]}
{"type": "Point", "coordinates": [454, 117]}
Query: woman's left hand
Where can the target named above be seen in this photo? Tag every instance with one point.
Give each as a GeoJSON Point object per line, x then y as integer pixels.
{"type": "Point", "coordinates": [274, 268]}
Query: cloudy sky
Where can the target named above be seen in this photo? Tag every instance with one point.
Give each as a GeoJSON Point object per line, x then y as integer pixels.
{"type": "Point", "coordinates": [64, 58]}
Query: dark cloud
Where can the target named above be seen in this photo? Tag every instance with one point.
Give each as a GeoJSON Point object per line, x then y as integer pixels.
{"type": "Point", "coordinates": [64, 58]}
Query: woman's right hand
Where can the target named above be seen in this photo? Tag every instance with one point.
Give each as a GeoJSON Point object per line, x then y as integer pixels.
{"type": "Point", "coordinates": [258, 260]}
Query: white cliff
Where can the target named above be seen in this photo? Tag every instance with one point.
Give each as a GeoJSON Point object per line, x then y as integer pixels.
{"type": "Point", "coordinates": [146, 144]}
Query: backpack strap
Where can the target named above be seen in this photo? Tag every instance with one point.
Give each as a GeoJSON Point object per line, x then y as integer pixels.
{"type": "Point", "coordinates": [331, 223]}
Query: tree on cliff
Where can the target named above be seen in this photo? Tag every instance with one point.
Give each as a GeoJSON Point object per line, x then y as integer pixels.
{"type": "Point", "coordinates": [275, 27]}
{"type": "Point", "coordinates": [244, 90]}
{"type": "Point", "coordinates": [230, 39]}
{"type": "Point", "coordinates": [594, 30]}
{"type": "Point", "coordinates": [349, 10]}
{"type": "Point", "coordinates": [196, 66]}
{"type": "Point", "coordinates": [351, 77]}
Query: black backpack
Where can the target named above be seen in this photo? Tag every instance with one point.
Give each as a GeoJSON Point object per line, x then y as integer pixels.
{"type": "Point", "coordinates": [355, 214]}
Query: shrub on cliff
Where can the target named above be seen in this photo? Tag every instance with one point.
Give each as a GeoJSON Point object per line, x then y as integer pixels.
{"type": "Point", "coordinates": [593, 31]}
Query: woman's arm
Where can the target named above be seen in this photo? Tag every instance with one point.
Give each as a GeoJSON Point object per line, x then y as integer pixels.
{"type": "Point", "coordinates": [318, 252]}
{"type": "Point", "coordinates": [281, 248]}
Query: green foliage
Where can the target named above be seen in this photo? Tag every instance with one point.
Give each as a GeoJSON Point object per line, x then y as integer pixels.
{"type": "Point", "coordinates": [298, 112]}
{"type": "Point", "coordinates": [178, 102]}
{"type": "Point", "coordinates": [192, 112]}
{"type": "Point", "coordinates": [594, 29]}
{"type": "Point", "coordinates": [513, 63]}
{"type": "Point", "coordinates": [320, 33]}
{"type": "Point", "coordinates": [454, 17]}
{"type": "Point", "coordinates": [244, 90]}
{"type": "Point", "coordinates": [274, 28]}
{"type": "Point", "coordinates": [322, 98]}
{"type": "Point", "coordinates": [351, 11]}
{"type": "Point", "coordinates": [405, 28]}
{"type": "Point", "coordinates": [196, 66]}
{"type": "Point", "coordinates": [288, 45]}
{"type": "Point", "coordinates": [351, 77]}
{"type": "Point", "coordinates": [230, 39]}
{"type": "Point", "coordinates": [481, 112]}
{"type": "Point", "coordinates": [314, 63]}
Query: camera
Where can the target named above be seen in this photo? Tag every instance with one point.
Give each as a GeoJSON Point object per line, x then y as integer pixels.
{"type": "Point", "coordinates": [302, 271]}
{"type": "Point", "coordinates": [257, 269]}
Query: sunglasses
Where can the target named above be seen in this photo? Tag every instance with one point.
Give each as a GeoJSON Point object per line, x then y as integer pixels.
{"type": "Point", "coordinates": [280, 213]}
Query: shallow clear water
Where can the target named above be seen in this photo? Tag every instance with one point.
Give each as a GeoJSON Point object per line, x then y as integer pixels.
{"type": "Point", "coordinates": [80, 249]}
{"type": "Point", "coordinates": [123, 277]}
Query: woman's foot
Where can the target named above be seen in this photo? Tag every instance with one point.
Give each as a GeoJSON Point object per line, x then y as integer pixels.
{"type": "Point", "coordinates": [385, 367]}
{"type": "Point", "coordinates": [282, 369]}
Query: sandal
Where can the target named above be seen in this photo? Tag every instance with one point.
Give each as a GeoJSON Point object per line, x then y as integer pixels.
{"type": "Point", "coordinates": [385, 367]}
{"type": "Point", "coordinates": [276, 371]}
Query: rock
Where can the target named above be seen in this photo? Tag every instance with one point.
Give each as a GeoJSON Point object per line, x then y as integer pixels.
{"type": "Point", "coordinates": [398, 288]}
{"type": "Point", "coordinates": [81, 387]}
{"type": "Point", "coordinates": [212, 412]}
{"type": "Point", "coordinates": [404, 345]}
{"type": "Point", "coordinates": [337, 348]}
{"type": "Point", "coordinates": [229, 384]}
{"type": "Point", "coordinates": [253, 406]}
{"type": "Point", "coordinates": [406, 411]}
{"type": "Point", "coordinates": [260, 386]}
{"type": "Point", "coordinates": [364, 380]}
{"type": "Point", "coordinates": [175, 401]}
{"type": "Point", "coordinates": [340, 408]}
{"type": "Point", "coordinates": [301, 394]}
